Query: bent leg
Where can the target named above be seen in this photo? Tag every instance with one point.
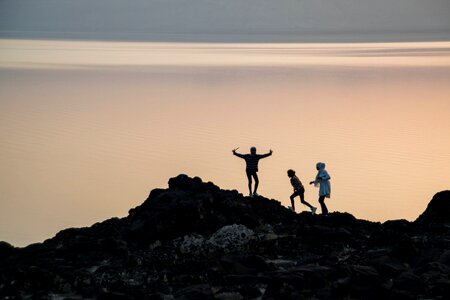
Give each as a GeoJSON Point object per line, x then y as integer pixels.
{"type": "Point", "coordinates": [295, 194]}
{"type": "Point", "coordinates": [302, 199]}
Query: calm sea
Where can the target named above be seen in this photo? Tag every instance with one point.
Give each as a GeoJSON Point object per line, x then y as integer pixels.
{"type": "Point", "coordinates": [87, 129]}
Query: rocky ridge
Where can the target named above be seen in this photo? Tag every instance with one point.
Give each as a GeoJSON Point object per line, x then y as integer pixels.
{"type": "Point", "coordinates": [196, 241]}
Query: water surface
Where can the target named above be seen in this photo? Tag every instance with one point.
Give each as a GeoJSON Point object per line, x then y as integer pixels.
{"type": "Point", "coordinates": [87, 129]}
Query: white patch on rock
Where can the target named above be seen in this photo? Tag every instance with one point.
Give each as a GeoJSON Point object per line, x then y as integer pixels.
{"type": "Point", "coordinates": [228, 238]}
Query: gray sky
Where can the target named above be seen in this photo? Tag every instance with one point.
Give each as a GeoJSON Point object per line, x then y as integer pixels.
{"type": "Point", "coordinates": [227, 19]}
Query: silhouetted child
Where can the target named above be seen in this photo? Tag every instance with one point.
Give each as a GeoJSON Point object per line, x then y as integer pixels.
{"type": "Point", "coordinates": [299, 190]}
{"type": "Point", "coordinates": [251, 169]}
{"type": "Point", "coordinates": [323, 180]}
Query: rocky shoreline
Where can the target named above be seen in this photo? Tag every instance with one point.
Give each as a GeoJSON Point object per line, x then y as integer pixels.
{"type": "Point", "coordinates": [196, 241]}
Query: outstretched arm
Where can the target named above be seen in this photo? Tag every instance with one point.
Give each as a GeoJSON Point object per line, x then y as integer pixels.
{"type": "Point", "coordinates": [267, 154]}
{"type": "Point", "coordinates": [320, 177]}
{"type": "Point", "coordinates": [237, 154]}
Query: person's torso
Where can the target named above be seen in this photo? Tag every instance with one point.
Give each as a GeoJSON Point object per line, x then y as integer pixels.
{"type": "Point", "coordinates": [252, 161]}
{"type": "Point", "coordinates": [296, 183]}
{"type": "Point", "coordinates": [322, 176]}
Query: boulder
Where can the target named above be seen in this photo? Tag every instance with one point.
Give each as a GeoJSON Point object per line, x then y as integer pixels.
{"type": "Point", "coordinates": [6, 249]}
{"type": "Point", "coordinates": [437, 212]}
{"type": "Point", "coordinates": [408, 281]}
{"type": "Point", "coordinates": [231, 238]}
{"type": "Point", "coordinates": [244, 264]}
{"type": "Point", "coordinates": [195, 292]}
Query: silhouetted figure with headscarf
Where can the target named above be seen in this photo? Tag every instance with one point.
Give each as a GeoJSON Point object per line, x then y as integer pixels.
{"type": "Point", "coordinates": [323, 181]}
{"type": "Point", "coordinates": [251, 161]}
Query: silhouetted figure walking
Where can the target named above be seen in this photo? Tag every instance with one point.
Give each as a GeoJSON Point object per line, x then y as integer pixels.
{"type": "Point", "coordinates": [299, 190]}
{"type": "Point", "coordinates": [323, 180]}
{"type": "Point", "coordinates": [251, 169]}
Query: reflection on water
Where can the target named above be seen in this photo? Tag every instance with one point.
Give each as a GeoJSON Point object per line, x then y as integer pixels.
{"type": "Point", "coordinates": [66, 54]}
{"type": "Point", "coordinates": [87, 129]}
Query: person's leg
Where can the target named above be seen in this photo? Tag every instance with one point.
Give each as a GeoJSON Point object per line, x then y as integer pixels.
{"type": "Point", "coordinates": [302, 199]}
{"type": "Point", "coordinates": [255, 176]}
{"type": "Point", "coordinates": [249, 177]}
{"type": "Point", "coordinates": [323, 206]}
{"type": "Point", "coordinates": [295, 194]}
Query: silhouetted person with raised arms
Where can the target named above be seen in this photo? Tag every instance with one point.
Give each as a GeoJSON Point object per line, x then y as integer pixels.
{"type": "Point", "coordinates": [299, 190]}
{"type": "Point", "coordinates": [323, 181]}
{"type": "Point", "coordinates": [251, 169]}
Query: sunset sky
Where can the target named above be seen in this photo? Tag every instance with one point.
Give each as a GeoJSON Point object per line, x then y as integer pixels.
{"type": "Point", "coordinates": [103, 100]}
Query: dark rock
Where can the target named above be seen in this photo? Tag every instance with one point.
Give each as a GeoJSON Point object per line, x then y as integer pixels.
{"type": "Point", "coordinates": [408, 281]}
{"type": "Point", "coordinates": [333, 234]}
{"type": "Point", "coordinates": [402, 295]}
{"type": "Point", "coordinates": [191, 206]}
{"type": "Point", "coordinates": [441, 288]}
{"type": "Point", "coordinates": [195, 292]}
{"type": "Point", "coordinates": [341, 219]}
{"type": "Point", "coordinates": [196, 241]}
{"type": "Point", "coordinates": [6, 249]}
{"type": "Point", "coordinates": [161, 296]}
{"type": "Point", "coordinates": [433, 271]}
{"type": "Point", "coordinates": [184, 182]}
{"type": "Point", "coordinates": [438, 210]}
{"type": "Point", "coordinates": [404, 249]}
{"type": "Point", "coordinates": [361, 281]}
{"type": "Point", "coordinates": [113, 296]}
{"type": "Point", "coordinates": [436, 277]}
{"type": "Point", "coordinates": [244, 264]}
{"type": "Point", "coordinates": [397, 225]}
{"type": "Point", "coordinates": [388, 265]}
{"type": "Point", "coordinates": [445, 258]}
{"type": "Point", "coordinates": [315, 276]}
{"type": "Point", "coordinates": [236, 279]}
{"type": "Point", "coordinates": [426, 256]}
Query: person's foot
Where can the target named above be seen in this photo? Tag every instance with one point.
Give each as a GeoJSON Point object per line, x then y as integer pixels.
{"type": "Point", "coordinates": [250, 195]}
{"type": "Point", "coordinates": [313, 210]}
{"type": "Point", "coordinates": [255, 194]}
{"type": "Point", "coordinates": [324, 214]}
{"type": "Point", "coordinates": [291, 208]}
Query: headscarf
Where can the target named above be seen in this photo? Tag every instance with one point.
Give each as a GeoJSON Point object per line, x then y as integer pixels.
{"type": "Point", "coordinates": [322, 174]}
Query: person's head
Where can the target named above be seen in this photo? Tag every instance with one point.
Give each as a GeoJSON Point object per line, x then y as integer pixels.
{"type": "Point", "coordinates": [320, 166]}
{"type": "Point", "coordinates": [253, 150]}
{"type": "Point", "coordinates": [291, 172]}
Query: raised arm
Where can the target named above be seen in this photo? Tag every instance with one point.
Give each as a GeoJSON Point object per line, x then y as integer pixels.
{"type": "Point", "coordinates": [237, 154]}
{"type": "Point", "coordinates": [267, 154]}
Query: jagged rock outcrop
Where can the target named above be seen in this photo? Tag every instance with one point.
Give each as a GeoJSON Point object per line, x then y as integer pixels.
{"type": "Point", "coordinates": [191, 206]}
{"type": "Point", "coordinates": [196, 241]}
{"type": "Point", "coordinates": [438, 210]}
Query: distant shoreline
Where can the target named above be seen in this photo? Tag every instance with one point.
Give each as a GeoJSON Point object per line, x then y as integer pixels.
{"type": "Point", "coordinates": [372, 37]}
